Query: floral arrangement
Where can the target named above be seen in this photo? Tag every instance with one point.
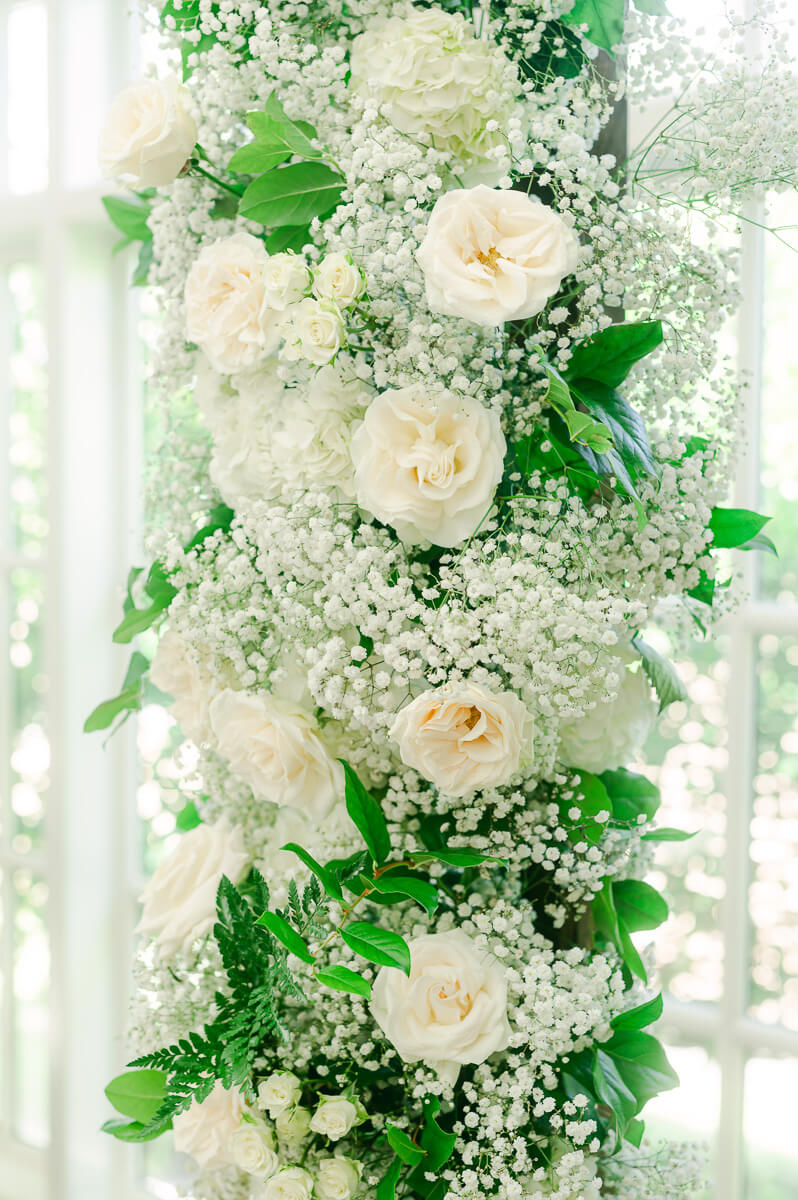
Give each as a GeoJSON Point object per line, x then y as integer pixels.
{"type": "Point", "coordinates": [443, 435]}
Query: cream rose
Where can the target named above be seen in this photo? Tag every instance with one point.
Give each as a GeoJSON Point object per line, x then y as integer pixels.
{"type": "Point", "coordinates": [251, 1149]}
{"type": "Point", "coordinates": [278, 1092]}
{"type": "Point", "coordinates": [242, 415]}
{"type": "Point", "coordinates": [149, 134]}
{"type": "Point", "coordinates": [428, 467]}
{"type": "Point", "coordinates": [312, 443]}
{"type": "Point", "coordinates": [337, 1178]}
{"type": "Point", "coordinates": [286, 278]}
{"type": "Point", "coordinates": [463, 737]}
{"type": "Point", "coordinates": [494, 256]}
{"type": "Point", "coordinates": [180, 899]}
{"type": "Point", "coordinates": [452, 1009]}
{"type": "Point", "coordinates": [227, 313]}
{"type": "Point", "coordinates": [610, 735]}
{"type": "Point", "coordinates": [334, 1117]}
{"type": "Point", "coordinates": [437, 81]}
{"type": "Point", "coordinates": [314, 332]}
{"type": "Point", "coordinates": [273, 745]}
{"type": "Point", "coordinates": [204, 1130]}
{"type": "Point", "coordinates": [339, 280]}
{"type": "Point", "coordinates": [293, 1130]}
{"type": "Point", "coordinates": [291, 1183]}
{"type": "Point", "coordinates": [175, 670]}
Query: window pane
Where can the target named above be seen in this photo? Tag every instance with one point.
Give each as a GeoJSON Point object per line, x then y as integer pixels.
{"type": "Point", "coordinates": [690, 744]}
{"type": "Point", "coordinates": [30, 749]}
{"type": "Point", "coordinates": [774, 835]}
{"type": "Point", "coordinates": [779, 576]}
{"type": "Point", "coordinates": [771, 1152]}
{"type": "Point", "coordinates": [690, 1112]}
{"type": "Point", "coordinates": [31, 1041]}
{"type": "Point", "coordinates": [26, 64]}
{"type": "Point", "coordinates": [27, 410]}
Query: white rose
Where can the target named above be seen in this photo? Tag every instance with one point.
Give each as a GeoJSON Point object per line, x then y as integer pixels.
{"type": "Point", "coordinates": [437, 81]}
{"type": "Point", "coordinates": [611, 734]}
{"type": "Point", "coordinates": [494, 256]}
{"type": "Point", "coordinates": [149, 134]}
{"type": "Point", "coordinates": [274, 747]}
{"type": "Point", "coordinates": [337, 1179]}
{"type": "Point", "coordinates": [204, 1130]}
{"type": "Point", "coordinates": [314, 332]}
{"type": "Point", "coordinates": [429, 467]}
{"type": "Point", "coordinates": [227, 314]}
{"type": "Point", "coordinates": [339, 280]}
{"type": "Point", "coordinates": [279, 1092]}
{"type": "Point", "coordinates": [286, 278]}
{"type": "Point", "coordinates": [242, 417]}
{"type": "Point", "coordinates": [180, 899]}
{"type": "Point", "coordinates": [293, 1130]}
{"type": "Point", "coordinates": [312, 444]}
{"type": "Point", "coordinates": [463, 737]}
{"type": "Point", "coordinates": [174, 670]}
{"type": "Point", "coordinates": [334, 1117]}
{"type": "Point", "coordinates": [451, 1010]}
{"type": "Point", "coordinates": [251, 1149]}
{"type": "Point", "coordinates": [292, 1183]}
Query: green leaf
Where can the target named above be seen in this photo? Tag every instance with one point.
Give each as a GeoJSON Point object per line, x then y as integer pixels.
{"type": "Point", "coordinates": [281, 133]}
{"type": "Point", "coordinates": [138, 1094]}
{"type": "Point", "coordinates": [143, 263]}
{"type": "Point", "coordinates": [136, 620]}
{"type": "Point", "coordinates": [439, 1146]}
{"type": "Point", "coordinates": [592, 798]}
{"type": "Point", "coordinates": [219, 520]}
{"type": "Point", "coordinates": [604, 20]}
{"type": "Point", "coordinates": [639, 1017]}
{"type": "Point", "coordinates": [129, 217]}
{"type": "Point", "coordinates": [609, 355]}
{"type": "Point", "coordinates": [613, 1090]}
{"type": "Point", "coordinates": [128, 700]}
{"type": "Point", "coordinates": [641, 1063]}
{"type": "Point", "coordinates": [258, 157]}
{"type": "Point", "coordinates": [404, 1146]}
{"type": "Point", "coordinates": [457, 857]}
{"type": "Point", "coordinates": [408, 885]}
{"type": "Point", "coordinates": [632, 795]}
{"type": "Point", "coordinates": [367, 816]}
{"type": "Point", "coordinates": [341, 979]}
{"type": "Point", "coordinates": [639, 905]}
{"type": "Point", "coordinates": [667, 835]}
{"type": "Point", "coordinates": [662, 674]}
{"type": "Point", "coordinates": [292, 195]}
{"type": "Point", "coordinates": [188, 817]}
{"type": "Point", "coordinates": [380, 946]}
{"type": "Point", "coordinates": [654, 8]}
{"type": "Point", "coordinates": [733, 527]}
{"type": "Point", "coordinates": [704, 590]}
{"type": "Point", "coordinates": [279, 928]}
{"type": "Point", "coordinates": [328, 881]}
{"type": "Point", "coordinates": [386, 1188]}
{"type": "Point", "coordinates": [760, 542]}
{"type": "Point", "coordinates": [133, 1131]}
{"type": "Point", "coordinates": [288, 237]}
{"type": "Point", "coordinates": [626, 426]}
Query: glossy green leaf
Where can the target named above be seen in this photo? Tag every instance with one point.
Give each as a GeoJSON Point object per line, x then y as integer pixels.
{"type": "Point", "coordinates": [325, 877]}
{"type": "Point", "coordinates": [404, 1146]}
{"type": "Point", "coordinates": [639, 905]}
{"type": "Point", "coordinates": [420, 890]}
{"type": "Point", "coordinates": [138, 1094]}
{"type": "Point", "coordinates": [128, 700]}
{"type": "Point", "coordinates": [133, 1131]}
{"type": "Point", "coordinates": [662, 674]}
{"type": "Point", "coordinates": [733, 527]}
{"type": "Point", "coordinates": [288, 936]}
{"type": "Point", "coordinates": [292, 195]}
{"type": "Point", "coordinates": [367, 816]}
{"type": "Point", "coordinates": [258, 157]}
{"type": "Point", "coordinates": [380, 946]}
{"type": "Point", "coordinates": [288, 237]}
{"type": "Point", "coordinates": [130, 217]}
{"type": "Point", "coordinates": [604, 20]}
{"type": "Point", "coordinates": [457, 858]}
{"type": "Point", "coordinates": [625, 424]}
{"type": "Point", "coordinates": [632, 795]}
{"type": "Point", "coordinates": [439, 1146]}
{"type": "Point", "coordinates": [639, 1017]}
{"type": "Point", "coordinates": [283, 134]}
{"type": "Point", "coordinates": [609, 355]}
{"type": "Point", "coordinates": [386, 1188]}
{"type": "Point", "coordinates": [664, 834]}
{"type": "Point", "coordinates": [341, 979]}
{"type": "Point", "coordinates": [188, 817]}
{"type": "Point", "coordinates": [642, 1064]}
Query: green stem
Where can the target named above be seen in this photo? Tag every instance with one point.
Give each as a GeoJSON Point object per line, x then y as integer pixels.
{"type": "Point", "coordinates": [228, 187]}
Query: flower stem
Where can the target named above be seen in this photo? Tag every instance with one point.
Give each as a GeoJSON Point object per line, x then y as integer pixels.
{"type": "Point", "coordinates": [228, 187]}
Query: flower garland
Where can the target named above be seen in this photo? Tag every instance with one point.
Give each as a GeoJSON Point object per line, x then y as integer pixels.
{"type": "Point", "coordinates": [426, 487]}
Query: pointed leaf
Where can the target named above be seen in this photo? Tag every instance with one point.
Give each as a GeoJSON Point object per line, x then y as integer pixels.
{"type": "Point", "coordinates": [457, 857]}
{"type": "Point", "coordinates": [733, 527]}
{"type": "Point", "coordinates": [604, 20]}
{"type": "Point", "coordinates": [408, 885]}
{"type": "Point", "coordinates": [404, 1146]}
{"type": "Point", "coordinates": [639, 905]}
{"type": "Point", "coordinates": [328, 881]}
{"type": "Point", "coordinates": [292, 195]}
{"type": "Point", "coordinates": [639, 1017]}
{"type": "Point", "coordinates": [367, 816]}
{"type": "Point", "coordinates": [138, 1094]}
{"type": "Point", "coordinates": [609, 355]}
{"type": "Point", "coordinates": [279, 928]}
{"type": "Point", "coordinates": [661, 673]}
{"type": "Point", "coordinates": [341, 979]}
{"type": "Point", "coordinates": [380, 946]}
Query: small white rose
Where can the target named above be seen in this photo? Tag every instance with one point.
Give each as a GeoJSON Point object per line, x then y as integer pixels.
{"type": "Point", "coordinates": [437, 81]}
{"type": "Point", "coordinates": [291, 1183]}
{"type": "Point", "coordinates": [314, 332]}
{"type": "Point", "coordinates": [286, 278]}
{"type": "Point", "coordinates": [204, 1130]}
{"type": "Point", "coordinates": [337, 1178]}
{"type": "Point", "coordinates": [293, 1130]}
{"type": "Point", "coordinates": [339, 280]}
{"type": "Point", "coordinates": [463, 737]}
{"type": "Point", "coordinates": [251, 1149]}
{"type": "Point", "coordinates": [175, 670]}
{"type": "Point", "coordinates": [227, 313]}
{"type": "Point", "coordinates": [149, 134]}
{"type": "Point", "coordinates": [180, 899]}
{"type": "Point", "coordinates": [492, 256]}
{"type": "Point", "coordinates": [451, 1010]}
{"type": "Point", "coordinates": [428, 466]}
{"type": "Point", "coordinates": [279, 1092]}
{"type": "Point", "coordinates": [274, 746]}
{"type": "Point", "coordinates": [334, 1117]}
{"type": "Point", "coordinates": [610, 735]}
